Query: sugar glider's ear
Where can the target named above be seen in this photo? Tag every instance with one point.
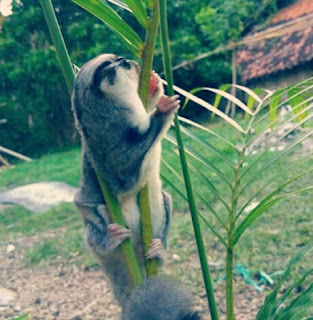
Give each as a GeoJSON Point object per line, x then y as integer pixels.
{"type": "Point", "coordinates": [192, 316]}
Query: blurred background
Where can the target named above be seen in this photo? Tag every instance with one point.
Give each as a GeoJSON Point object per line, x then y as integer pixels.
{"type": "Point", "coordinates": [241, 41]}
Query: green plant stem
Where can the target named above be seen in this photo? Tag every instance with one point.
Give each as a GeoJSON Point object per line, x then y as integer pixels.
{"type": "Point", "coordinates": [57, 38]}
{"type": "Point", "coordinates": [191, 200]}
{"type": "Point", "coordinates": [229, 285]}
{"type": "Point", "coordinates": [127, 248]}
{"type": "Point", "coordinates": [110, 199]}
{"type": "Point", "coordinates": [146, 230]}
{"type": "Point", "coordinates": [230, 232]}
{"type": "Point", "coordinates": [143, 198]}
{"type": "Point", "coordinates": [148, 54]}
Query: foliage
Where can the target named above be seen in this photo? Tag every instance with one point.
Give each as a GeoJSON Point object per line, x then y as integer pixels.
{"type": "Point", "coordinates": [33, 94]}
{"type": "Point", "coordinates": [37, 105]}
{"type": "Point", "coordinates": [249, 187]}
{"type": "Point", "coordinates": [232, 18]}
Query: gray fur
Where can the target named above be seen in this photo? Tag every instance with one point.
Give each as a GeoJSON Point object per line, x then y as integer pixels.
{"type": "Point", "coordinates": [116, 149]}
{"type": "Point", "coordinates": [112, 145]}
{"type": "Point", "coordinates": [159, 299]}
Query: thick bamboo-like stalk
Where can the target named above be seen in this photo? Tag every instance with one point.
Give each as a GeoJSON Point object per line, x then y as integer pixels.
{"type": "Point", "coordinates": [191, 199]}
{"type": "Point", "coordinates": [110, 199]}
{"type": "Point", "coordinates": [143, 199]}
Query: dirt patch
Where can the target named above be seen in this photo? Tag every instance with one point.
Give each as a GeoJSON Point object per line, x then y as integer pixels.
{"type": "Point", "coordinates": [60, 291]}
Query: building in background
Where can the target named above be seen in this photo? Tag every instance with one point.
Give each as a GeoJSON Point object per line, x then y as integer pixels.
{"type": "Point", "coordinates": [280, 52]}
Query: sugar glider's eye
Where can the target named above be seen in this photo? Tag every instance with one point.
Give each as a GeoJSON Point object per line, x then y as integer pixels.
{"type": "Point", "coordinates": [105, 64]}
{"type": "Point", "coordinates": [98, 75]}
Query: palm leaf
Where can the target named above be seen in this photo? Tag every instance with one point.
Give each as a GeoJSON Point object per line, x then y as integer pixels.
{"type": "Point", "coordinates": [197, 156]}
{"type": "Point", "coordinates": [264, 205]}
{"type": "Point", "coordinates": [298, 103]}
{"type": "Point", "coordinates": [272, 179]}
{"type": "Point", "coordinates": [253, 99]}
{"type": "Point", "coordinates": [138, 11]}
{"type": "Point", "coordinates": [305, 86]}
{"type": "Point", "coordinates": [218, 98]}
{"type": "Point", "coordinates": [272, 304]}
{"type": "Point", "coordinates": [106, 14]}
{"type": "Point", "coordinates": [210, 209]}
{"type": "Point", "coordinates": [273, 107]}
{"type": "Point", "coordinates": [208, 106]}
{"type": "Point", "coordinates": [120, 4]}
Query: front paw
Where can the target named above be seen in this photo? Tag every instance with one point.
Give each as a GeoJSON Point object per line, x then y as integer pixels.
{"type": "Point", "coordinates": [117, 233]}
{"type": "Point", "coordinates": [155, 86]}
{"type": "Point", "coordinates": [156, 250]}
{"type": "Point", "coordinates": [167, 104]}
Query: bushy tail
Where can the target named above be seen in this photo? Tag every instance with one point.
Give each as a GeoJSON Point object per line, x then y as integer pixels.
{"type": "Point", "coordinates": [159, 299]}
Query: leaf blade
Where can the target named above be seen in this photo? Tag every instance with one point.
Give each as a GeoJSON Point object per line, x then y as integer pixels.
{"type": "Point", "coordinates": [107, 15]}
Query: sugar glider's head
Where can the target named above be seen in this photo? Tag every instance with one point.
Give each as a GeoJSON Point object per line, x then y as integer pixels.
{"type": "Point", "coordinates": [110, 74]}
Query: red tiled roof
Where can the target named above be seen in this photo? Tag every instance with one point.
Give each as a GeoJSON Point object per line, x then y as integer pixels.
{"type": "Point", "coordinates": [279, 53]}
{"type": "Point", "coordinates": [294, 11]}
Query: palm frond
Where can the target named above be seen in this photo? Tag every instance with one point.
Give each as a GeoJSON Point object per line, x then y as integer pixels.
{"type": "Point", "coordinates": [272, 305]}
{"type": "Point", "coordinates": [106, 14]}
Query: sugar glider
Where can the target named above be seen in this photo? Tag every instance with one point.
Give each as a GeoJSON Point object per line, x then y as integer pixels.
{"type": "Point", "coordinates": [121, 141]}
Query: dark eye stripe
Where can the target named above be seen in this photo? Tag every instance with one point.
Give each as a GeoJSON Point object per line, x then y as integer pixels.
{"type": "Point", "coordinates": [97, 78]}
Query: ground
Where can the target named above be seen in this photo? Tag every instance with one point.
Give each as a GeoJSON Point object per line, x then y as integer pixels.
{"type": "Point", "coordinates": [60, 289]}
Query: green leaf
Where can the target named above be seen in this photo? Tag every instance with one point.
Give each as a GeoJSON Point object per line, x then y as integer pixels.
{"type": "Point", "coordinates": [254, 214]}
{"type": "Point", "coordinates": [206, 144]}
{"type": "Point", "coordinates": [106, 14]}
{"type": "Point", "coordinates": [120, 4]}
{"type": "Point", "coordinates": [205, 129]}
{"type": "Point", "coordinates": [273, 106]}
{"type": "Point", "coordinates": [193, 91]}
{"type": "Point", "coordinates": [218, 98]}
{"type": "Point", "coordinates": [136, 7]}
{"type": "Point", "coordinates": [296, 284]}
{"type": "Point", "coordinates": [257, 173]}
{"type": "Point", "coordinates": [23, 317]}
{"type": "Point", "coordinates": [222, 94]}
{"type": "Point", "coordinates": [252, 101]}
{"type": "Point", "coordinates": [271, 303]}
{"type": "Point", "coordinates": [179, 178]}
{"type": "Point", "coordinates": [264, 205]}
{"type": "Point", "coordinates": [306, 86]}
{"type": "Point", "coordinates": [138, 11]}
{"type": "Point", "coordinates": [298, 103]}
{"type": "Point", "coordinates": [207, 223]}
{"type": "Point", "coordinates": [207, 182]}
{"type": "Point", "coordinates": [208, 106]}
{"type": "Point", "coordinates": [171, 184]}
{"type": "Point", "coordinates": [299, 308]}
{"type": "Point", "coordinates": [57, 37]}
{"type": "Point", "coordinates": [273, 178]}
{"type": "Point", "coordinates": [197, 156]}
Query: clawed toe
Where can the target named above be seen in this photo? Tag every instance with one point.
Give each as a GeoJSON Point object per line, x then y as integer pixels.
{"type": "Point", "coordinates": [118, 232]}
{"type": "Point", "coordinates": [156, 250]}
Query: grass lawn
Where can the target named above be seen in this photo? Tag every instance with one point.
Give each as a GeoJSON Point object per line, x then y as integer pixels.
{"type": "Point", "coordinates": [268, 245]}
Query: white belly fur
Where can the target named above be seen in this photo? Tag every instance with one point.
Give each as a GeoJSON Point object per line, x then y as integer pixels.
{"type": "Point", "coordinates": [150, 174]}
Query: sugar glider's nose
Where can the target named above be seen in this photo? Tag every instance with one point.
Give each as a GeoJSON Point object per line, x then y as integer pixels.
{"type": "Point", "coordinates": [123, 63]}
